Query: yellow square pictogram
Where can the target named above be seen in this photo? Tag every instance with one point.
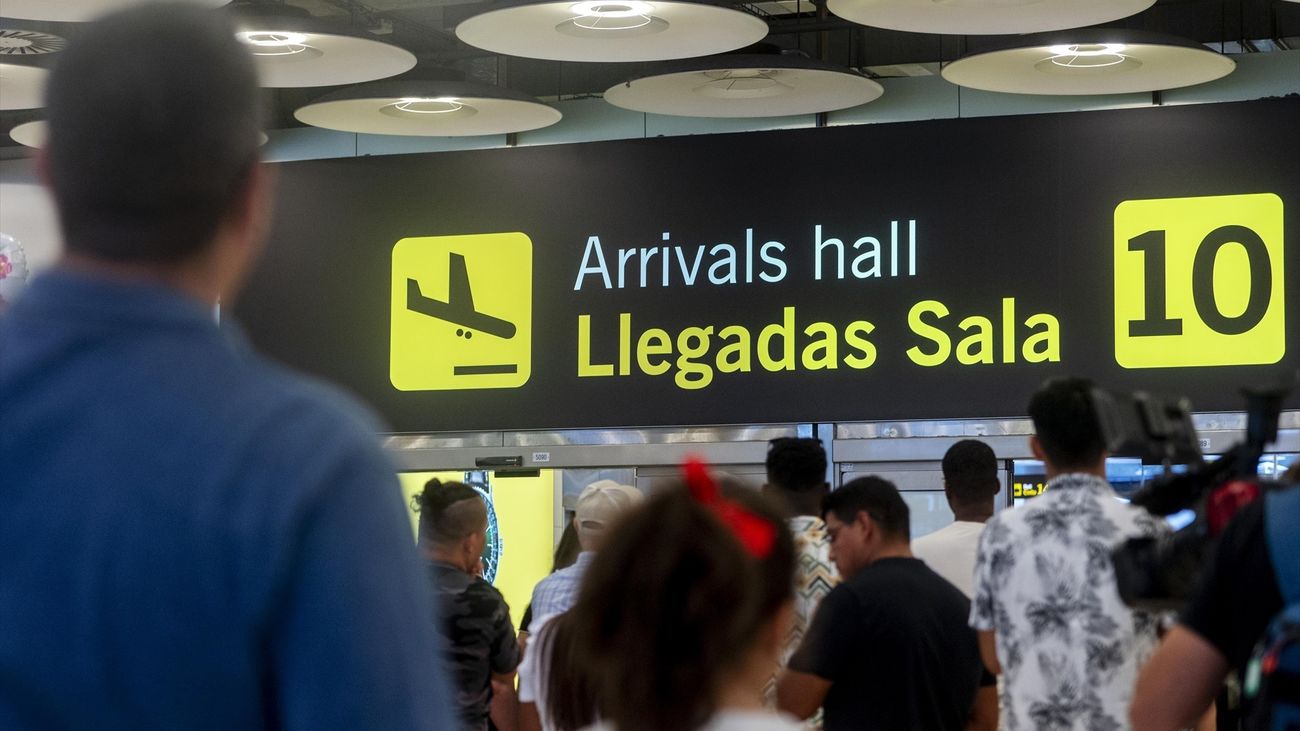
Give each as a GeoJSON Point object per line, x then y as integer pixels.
{"type": "Point", "coordinates": [462, 312]}
{"type": "Point", "coordinates": [1199, 281]}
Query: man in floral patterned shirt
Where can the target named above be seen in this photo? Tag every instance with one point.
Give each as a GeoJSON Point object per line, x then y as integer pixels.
{"type": "Point", "coordinates": [796, 477]}
{"type": "Point", "coordinates": [1046, 605]}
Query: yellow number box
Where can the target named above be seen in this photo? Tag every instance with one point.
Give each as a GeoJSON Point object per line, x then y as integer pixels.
{"type": "Point", "coordinates": [462, 311]}
{"type": "Point", "coordinates": [1199, 281]}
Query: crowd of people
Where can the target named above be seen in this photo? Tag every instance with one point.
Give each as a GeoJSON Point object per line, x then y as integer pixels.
{"type": "Point", "coordinates": [192, 538]}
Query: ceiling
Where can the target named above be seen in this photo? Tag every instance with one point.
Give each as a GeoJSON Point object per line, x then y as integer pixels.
{"type": "Point", "coordinates": [426, 28]}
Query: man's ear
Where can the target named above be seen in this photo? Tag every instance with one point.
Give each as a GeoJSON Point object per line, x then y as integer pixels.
{"type": "Point", "coordinates": [863, 520]}
{"type": "Point", "coordinates": [1037, 448]}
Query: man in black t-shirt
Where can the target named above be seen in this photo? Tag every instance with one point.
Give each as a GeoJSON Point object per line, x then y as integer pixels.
{"type": "Point", "coordinates": [889, 648]}
{"type": "Point", "coordinates": [1231, 609]}
{"type": "Point", "coordinates": [479, 647]}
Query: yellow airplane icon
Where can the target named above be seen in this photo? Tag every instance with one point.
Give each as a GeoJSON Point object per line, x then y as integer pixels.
{"type": "Point", "coordinates": [425, 352]}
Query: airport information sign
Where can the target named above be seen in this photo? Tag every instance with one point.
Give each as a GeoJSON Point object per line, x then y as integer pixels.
{"type": "Point", "coordinates": [921, 270]}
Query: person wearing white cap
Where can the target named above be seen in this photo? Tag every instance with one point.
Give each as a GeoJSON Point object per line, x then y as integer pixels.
{"type": "Point", "coordinates": [600, 505]}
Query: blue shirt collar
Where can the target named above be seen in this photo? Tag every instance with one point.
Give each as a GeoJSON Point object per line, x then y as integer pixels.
{"type": "Point", "coordinates": [89, 297]}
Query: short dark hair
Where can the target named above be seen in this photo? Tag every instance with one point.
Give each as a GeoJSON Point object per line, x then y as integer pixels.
{"type": "Point", "coordinates": [970, 472]}
{"type": "Point", "coordinates": [153, 132]}
{"type": "Point", "coordinates": [876, 497]}
{"type": "Point", "coordinates": [1066, 423]}
{"type": "Point", "coordinates": [796, 464]}
{"type": "Point", "coordinates": [449, 511]}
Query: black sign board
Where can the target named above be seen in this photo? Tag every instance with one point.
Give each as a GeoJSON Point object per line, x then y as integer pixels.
{"type": "Point", "coordinates": [921, 270]}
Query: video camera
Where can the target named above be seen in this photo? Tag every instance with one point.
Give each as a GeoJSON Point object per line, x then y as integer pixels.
{"type": "Point", "coordinates": [1160, 574]}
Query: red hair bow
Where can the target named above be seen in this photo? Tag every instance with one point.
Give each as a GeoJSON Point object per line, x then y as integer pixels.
{"type": "Point", "coordinates": [755, 534]}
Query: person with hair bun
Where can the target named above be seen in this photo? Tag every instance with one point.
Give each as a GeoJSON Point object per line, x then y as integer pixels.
{"type": "Point", "coordinates": [478, 638]}
{"type": "Point", "coordinates": [681, 616]}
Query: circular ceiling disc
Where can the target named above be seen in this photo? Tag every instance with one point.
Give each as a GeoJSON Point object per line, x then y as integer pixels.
{"type": "Point", "coordinates": [325, 59]}
{"type": "Point", "coordinates": [465, 117]}
{"type": "Point", "coordinates": [984, 17]}
{"type": "Point", "coordinates": [1137, 67]}
{"type": "Point", "coordinates": [30, 134]}
{"type": "Point", "coordinates": [631, 31]}
{"type": "Point", "coordinates": [17, 42]}
{"type": "Point", "coordinates": [22, 87]}
{"type": "Point", "coordinates": [745, 92]}
{"type": "Point", "coordinates": [75, 10]}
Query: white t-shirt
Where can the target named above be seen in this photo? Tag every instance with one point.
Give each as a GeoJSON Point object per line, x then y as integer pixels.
{"type": "Point", "coordinates": [950, 552]}
{"type": "Point", "coordinates": [532, 675]}
{"type": "Point", "coordinates": [736, 721]}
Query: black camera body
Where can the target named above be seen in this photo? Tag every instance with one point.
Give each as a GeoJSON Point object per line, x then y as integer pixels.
{"type": "Point", "coordinates": [1160, 574]}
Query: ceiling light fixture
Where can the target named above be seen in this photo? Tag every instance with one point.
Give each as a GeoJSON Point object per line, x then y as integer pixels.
{"type": "Point", "coordinates": [22, 86]}
{"type": "Point", "coordinates": [984, 17]}
{"type": "Point", "coordinates": [16, 42]}
{"type": "Point", "coordinates": [1090, 61]}
{"type": "Point", "coordinates": [74, 10]}
{"type": "Point", "coordinates": [611, 30]}
{"type": "Point", "coordinates": [293, 49]}
{"type": "Point", "coordinates": [425, 108]}
{"type": "Point", "coordinates": [745, 85]}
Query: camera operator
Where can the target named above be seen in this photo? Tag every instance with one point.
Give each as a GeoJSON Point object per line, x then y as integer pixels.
{"type": "Point", "coordinates": [1231, 609]}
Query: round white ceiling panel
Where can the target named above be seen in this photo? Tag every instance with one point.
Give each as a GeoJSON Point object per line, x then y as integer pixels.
{"type": "Point", "coordinates": [984, 17]}
{"type": "Point", "coordinates": [290, 58]}
{"type": "Point", "coordinates": [745, 86]}
{"type": "Point", "coordinates": [1091, 62]}
{"type": "Point", "coordinates": [613, 31]}
{"type": "Point", "coordinates": [428, 109]}
{"type": "Point", "coordinates": [30, 134]}
{"type": "Point", "coordinates": [22, 87]}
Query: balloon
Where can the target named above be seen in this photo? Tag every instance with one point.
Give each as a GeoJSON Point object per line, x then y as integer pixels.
{"type": "Point", "coordinates": [13, 269]}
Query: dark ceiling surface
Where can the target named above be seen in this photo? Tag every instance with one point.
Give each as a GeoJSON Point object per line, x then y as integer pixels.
{"type": "Point", "coordinates": [427, 29]}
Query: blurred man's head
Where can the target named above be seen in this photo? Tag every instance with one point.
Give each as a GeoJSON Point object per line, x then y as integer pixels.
{"type": "Point", "coordinates": [152, 150]}
{"type": "Point", "coordinates": [970, 479]}
{"type": "Point", "coordinates": [867, 520]}
{"type": "Point", "coordinates": [796, 474]}
{"type": "Point", "coordinates": [600, 505]}
{"type": "Point", "coordinates": [1067, 434]}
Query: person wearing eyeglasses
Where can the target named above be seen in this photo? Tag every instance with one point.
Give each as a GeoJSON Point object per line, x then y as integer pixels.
{"type": "Point", "coordinates": [889, 648]}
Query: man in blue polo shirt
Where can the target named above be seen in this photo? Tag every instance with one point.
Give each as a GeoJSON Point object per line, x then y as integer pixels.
{"type": "Point", "coordinates": [190, 537]}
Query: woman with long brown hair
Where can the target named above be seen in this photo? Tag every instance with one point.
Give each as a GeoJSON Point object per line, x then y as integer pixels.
{"type": "Point", "coordinates": [680, 619]}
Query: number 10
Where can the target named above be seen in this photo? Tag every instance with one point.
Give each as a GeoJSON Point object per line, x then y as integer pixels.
{"type": "Point", "coordinates": [1156, 320]}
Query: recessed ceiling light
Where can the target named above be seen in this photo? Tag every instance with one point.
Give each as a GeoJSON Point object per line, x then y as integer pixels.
{"type": "Point", "coordinates": [17, 42]}
{"type": "Point", "coordinates": [612, 30]}
{"type": "Point", "coordinates": [745, 85]}
{"type": "Point", "coordinates": [293, 49]}
{"type": "Point", "coordinates": [22, 86]}
{"type": "Point", "coordinates": [427, 109]}
{"type": "Point", "coordinates": [74, 10]}
{"type": "Point", "coordinates": [984, 17]}
{"type": "Point", "coordinates": [1090, 61]}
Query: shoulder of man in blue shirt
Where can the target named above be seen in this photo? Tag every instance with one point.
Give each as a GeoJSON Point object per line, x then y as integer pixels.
{"type": "Point", "coordinates": [233, 531]}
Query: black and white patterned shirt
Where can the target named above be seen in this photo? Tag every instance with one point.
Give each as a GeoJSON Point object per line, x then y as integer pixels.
{"type": "Point", "coordinates": [1070, 649]}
